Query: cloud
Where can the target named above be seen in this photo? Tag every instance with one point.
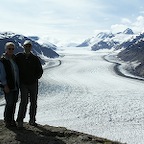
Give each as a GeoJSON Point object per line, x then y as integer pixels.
{"type": "Point", "coordinates": [137, 25]}
{"type": "Point", "coordinates": [118, 28]}
{"type": "Point", "coordinates": [72, 19]}
{"type": "Point", "coordinates": [125, 21]}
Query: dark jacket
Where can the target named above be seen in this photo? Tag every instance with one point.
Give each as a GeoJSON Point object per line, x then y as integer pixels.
{"type": "Point", "coordinates": [9, 72]}
{"type": "Point", "coordinates": [30, 68]}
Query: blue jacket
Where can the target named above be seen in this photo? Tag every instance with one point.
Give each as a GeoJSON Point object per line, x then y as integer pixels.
{"type": "Point", "coordinates": [12, 72]}
{"type": "Point", "coordinates": [3, 80]}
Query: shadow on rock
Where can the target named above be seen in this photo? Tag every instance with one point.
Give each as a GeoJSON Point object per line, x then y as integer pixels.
{"type": "Point", "coordinates": [28, 135]}
{"type": "Point", "coordinates": [45, 134]}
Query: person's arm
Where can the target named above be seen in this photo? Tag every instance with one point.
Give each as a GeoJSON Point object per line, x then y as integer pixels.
{"type": "Point", "coordinates": [39, 69]}
{"type": "Point", "coordinates": [2, 74]}
{"type": "Point", "coordinates": [3, 78]}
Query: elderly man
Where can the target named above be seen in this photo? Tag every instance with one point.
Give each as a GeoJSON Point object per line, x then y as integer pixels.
{"type": "Point", "coordinates": [10, 82]}
{"type": "Point", "coordinates": [30, 70]}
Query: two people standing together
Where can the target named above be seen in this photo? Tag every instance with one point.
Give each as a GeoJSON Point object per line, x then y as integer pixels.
{"type": "Point", "coordinates": [20, 71]}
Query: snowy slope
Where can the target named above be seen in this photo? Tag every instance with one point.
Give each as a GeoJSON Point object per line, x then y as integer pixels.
{"type": "Point", "coordinates": [83, 93]}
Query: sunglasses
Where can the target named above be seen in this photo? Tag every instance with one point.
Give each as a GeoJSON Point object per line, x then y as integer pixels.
{"type": "Point", "coordinates": [10, 48]}
{"type": "Point", "coordinates": [27, 45]}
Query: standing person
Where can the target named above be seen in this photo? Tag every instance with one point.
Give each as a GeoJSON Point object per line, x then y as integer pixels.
{"type": "Point", "coordinates": [10, 82]}
{"type": "Point", "coordinates": [30, 70]}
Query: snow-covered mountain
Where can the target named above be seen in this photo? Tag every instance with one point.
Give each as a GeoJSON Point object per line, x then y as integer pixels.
{"type": "Point", "coordinates": [105, 40]}
{"type": "Point", "coordinates": [42, 42]}
{"type": "Point", "coordinates": [133, 52]}
{"type": "Point", "coordinates": [130, 46]}
{"type": "Point", "coordinates": [96, 39]}
{"type": "Point", "coordinates": [128, 31]}
{"type": "Point", "coordinates": [38, 49]}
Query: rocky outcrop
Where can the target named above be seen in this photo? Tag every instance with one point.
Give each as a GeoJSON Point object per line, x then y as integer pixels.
{"type": "Point", "coordinates": [47, 135]}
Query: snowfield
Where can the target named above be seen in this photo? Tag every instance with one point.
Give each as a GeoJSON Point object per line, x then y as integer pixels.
{"type": "Point", "coordinates": [82, 92]}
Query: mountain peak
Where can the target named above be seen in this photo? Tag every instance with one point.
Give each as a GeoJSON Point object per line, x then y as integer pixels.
{"type": "Point", "coordinates": [128, 31]}
{"type": "Point", "coordinates": [104, 35]}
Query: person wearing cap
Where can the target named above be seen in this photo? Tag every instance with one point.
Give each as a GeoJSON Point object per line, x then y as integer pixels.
{"type": "Point", "coordinates": [10, 83]}
{"type": "Point", "coordinates": [30, 70]}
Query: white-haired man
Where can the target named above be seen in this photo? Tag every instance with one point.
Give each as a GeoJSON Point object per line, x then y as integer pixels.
{"type": "Point", "coordinates": [10, 83]}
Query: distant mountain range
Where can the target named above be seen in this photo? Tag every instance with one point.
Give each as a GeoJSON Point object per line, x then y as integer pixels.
{"type": "Point", "coordinates": [130, 45]}
{"type": "Point", "coordinates": [105, 40]}
{"type": "Point", "coordinates": [40, 50]}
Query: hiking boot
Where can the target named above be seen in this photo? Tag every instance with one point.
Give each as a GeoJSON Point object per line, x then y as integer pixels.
{"type": "Point", "coordinates": [33, 123]}
{"type": "Point", "coordinates": [13, 124]}
{"type": "Point", "coordinates": [7, 124]}
{"type": "Point", "coordinates": [20, 125]}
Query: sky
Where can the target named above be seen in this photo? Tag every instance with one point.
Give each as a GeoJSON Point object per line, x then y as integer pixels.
{"type": "Point", "coordinates": [70, 20]}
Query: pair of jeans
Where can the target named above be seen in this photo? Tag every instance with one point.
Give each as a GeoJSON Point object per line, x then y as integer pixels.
{"type": "Point", "coordinates": [28, 93]}
{"type": "Point", "coordinates": [11, 100]}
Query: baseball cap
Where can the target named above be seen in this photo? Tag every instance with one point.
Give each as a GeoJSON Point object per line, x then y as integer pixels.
{"type": "Point", "coordinates": [27, 42]}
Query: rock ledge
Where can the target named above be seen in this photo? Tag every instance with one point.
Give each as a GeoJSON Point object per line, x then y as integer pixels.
{"type": "Point", "coordinates": [47, 135]}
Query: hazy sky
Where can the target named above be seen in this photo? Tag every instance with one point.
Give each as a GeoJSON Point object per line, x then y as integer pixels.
{"type": "Point", "coordinates": [70, 20]}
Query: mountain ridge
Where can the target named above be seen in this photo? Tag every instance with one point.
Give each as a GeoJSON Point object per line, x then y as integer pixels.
{"type": "Point", "coordinates": [133, 51]}
{"type": "Point", "coordinates": [129, 45]}
{"type": "Point", "coordinates": [18, 40]}
{"type": "Point", "coordinates": [96, 42]}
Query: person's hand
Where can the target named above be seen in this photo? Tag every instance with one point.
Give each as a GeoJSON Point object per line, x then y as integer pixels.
{"type": "Point", "coordinates": [6, 89]}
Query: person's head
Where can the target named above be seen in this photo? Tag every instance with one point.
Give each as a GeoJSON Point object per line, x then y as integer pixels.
{"type": "Point", "coordinates": [9, 48]}
{"type": "Point", "coordinates": [27, 46]}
